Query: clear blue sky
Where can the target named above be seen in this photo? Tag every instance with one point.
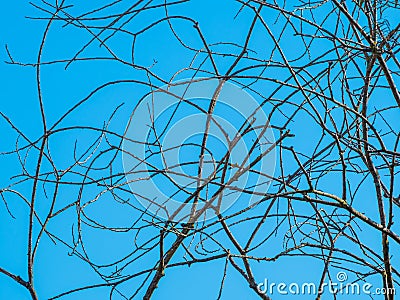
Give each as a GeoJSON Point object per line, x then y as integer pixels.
{"type": "Point", "coordinates": [55, 270]}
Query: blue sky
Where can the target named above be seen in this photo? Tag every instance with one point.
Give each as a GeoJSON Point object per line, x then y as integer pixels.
{"type": "Point", "coordinates": [56, 271]}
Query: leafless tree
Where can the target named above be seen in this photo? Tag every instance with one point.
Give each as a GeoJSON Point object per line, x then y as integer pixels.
{"type": "Point", "coordinates": [323, 72]}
